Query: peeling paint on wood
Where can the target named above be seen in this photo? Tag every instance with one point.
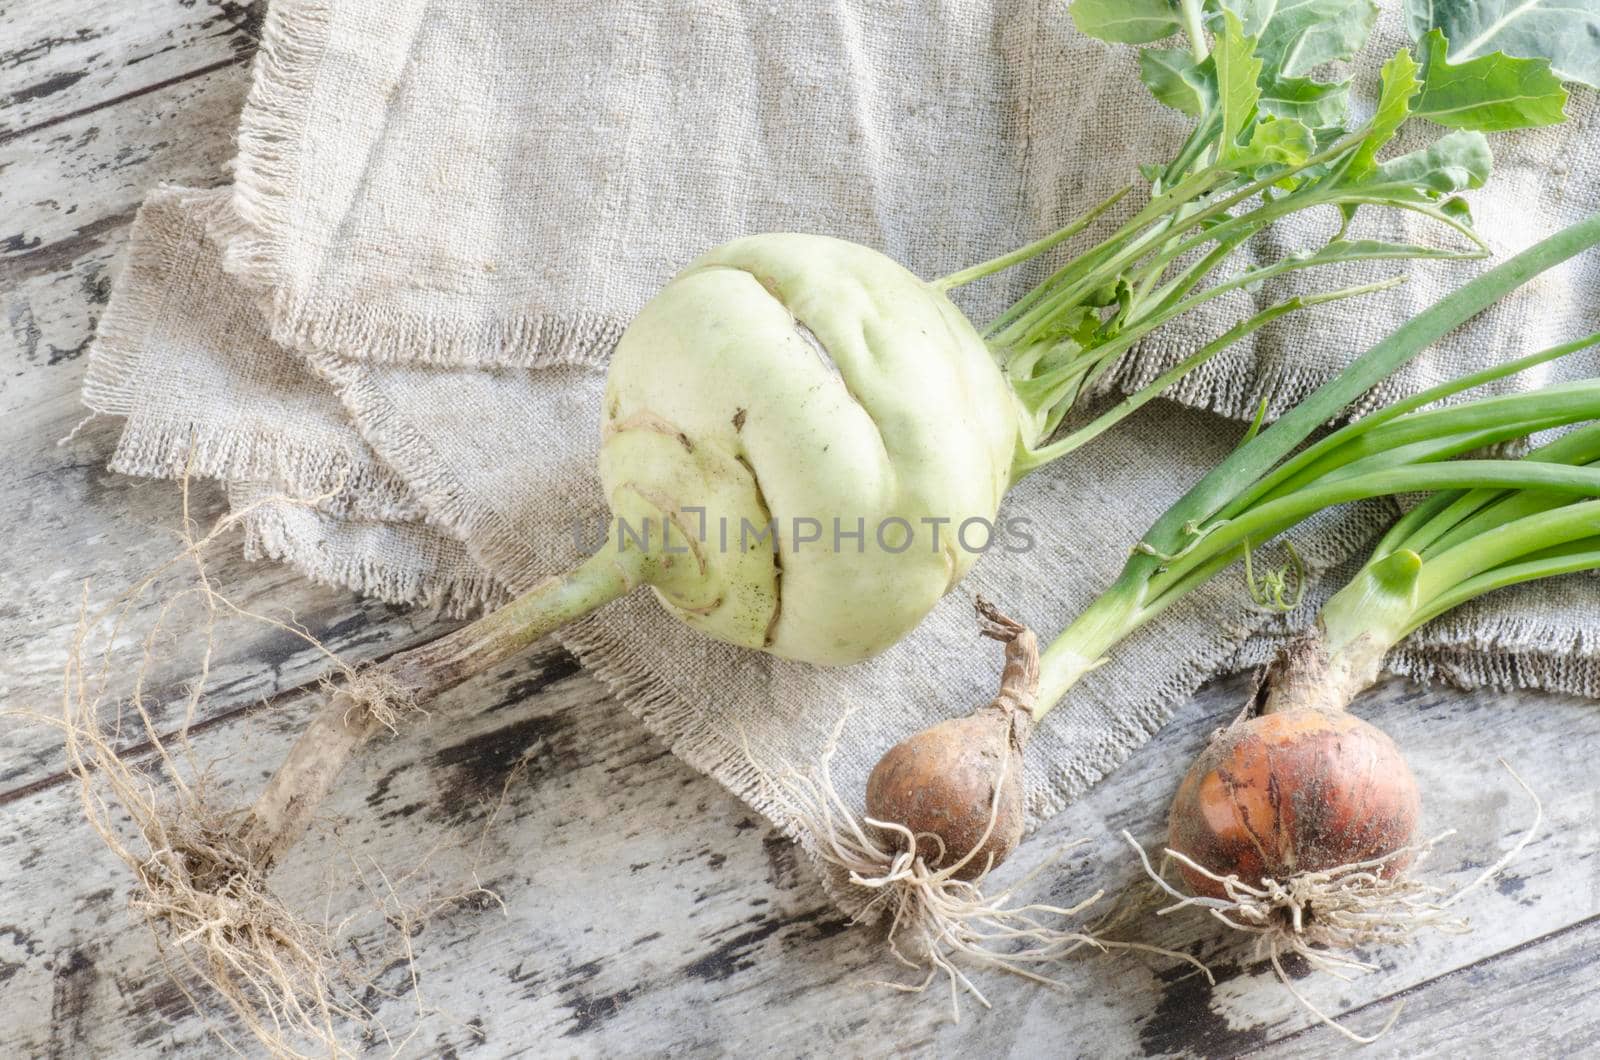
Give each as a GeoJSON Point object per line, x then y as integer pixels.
{"type": "Point", "coordinates": [71, 57]}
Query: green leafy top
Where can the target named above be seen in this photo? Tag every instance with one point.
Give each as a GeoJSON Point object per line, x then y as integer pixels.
{"type": "Point", "coordinates": [1564, 33]}
{"type": "Point", "coordinates": [1491, 93]}
{"type": "Point", "coordinates": [1273, 134]}
{"type": "Point", "coordinates": [1486, 65]}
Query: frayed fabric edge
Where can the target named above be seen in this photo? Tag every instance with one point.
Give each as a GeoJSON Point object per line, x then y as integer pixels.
{"type": "Point", "coordinates": [494, 543]}
{"type": "Point", "coordinates": [170, 449]}
{"type": "Point", "coordinates": [1504, 670]}
{"type": "Point", "coordinates": [119, 345]}
{"type": "Point", "coordinates": [294, 37]}
{"type": "Point", "coordinates": [269, 536]}
{"type": "Point", "coordinates": [1225, 385]}
{"type": "Point", "coordinates": [253, 230]}
{"type": "Point", "coordinates": [1232, 385]}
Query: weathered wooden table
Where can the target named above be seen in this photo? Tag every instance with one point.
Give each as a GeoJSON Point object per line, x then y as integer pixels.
{"type": "Point", "coordinates": [645, 909]}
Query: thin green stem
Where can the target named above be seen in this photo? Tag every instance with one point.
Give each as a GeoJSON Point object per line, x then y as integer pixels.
{"type": "Point", "coordinates": [1037, 458]}
{"type": "Point", "coordinates": [1041, 315]}
{"type": "Point", "coordinates": [1195, 29]}
{"type": "Point", "coordinates": [1582, 555]}
{"type": "Point", "coordinates": [1187, 280]}
{"type": "Point", "coordinates": [1032, 250]}
{"type": "Point", "coordinates": [1366, 198]}
{"type": "Point", "coordinates": [1042, 391]}
{"type": "Point", "coordinates": [1153, 211]}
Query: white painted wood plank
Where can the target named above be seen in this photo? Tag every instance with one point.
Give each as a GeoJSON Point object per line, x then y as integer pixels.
{"type": "Point", "coordinates": [65, 519]}
{"type": "Point", "coordinates": [49, 319]}
{"type": "Point", "coordinates": [68, 186]}
{"type": "Point", "coordinates": [60, 57]}
{"type": "Point", "coordinates": [1536, 998]}
{"type": "Point", "coordinates": [647, 906]}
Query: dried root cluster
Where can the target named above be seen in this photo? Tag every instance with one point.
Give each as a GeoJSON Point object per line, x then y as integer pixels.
{"type": "Point", "coordinates": [200, 878]}
{"type": "Point", "coordinates": [1327, 917]}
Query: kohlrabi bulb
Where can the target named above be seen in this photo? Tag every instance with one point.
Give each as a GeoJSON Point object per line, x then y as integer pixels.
{"type": "Point", "coordinates": [810, 390]}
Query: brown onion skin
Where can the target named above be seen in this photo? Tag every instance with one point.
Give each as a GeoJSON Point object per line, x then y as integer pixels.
{"type": "Point", "coordinates": [1291, 791]}
{"type": "Point", "coordinates": [941, 782]}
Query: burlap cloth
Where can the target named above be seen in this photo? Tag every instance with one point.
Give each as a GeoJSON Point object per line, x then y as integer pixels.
{"type": "Point", "coordinates": [444, 213]}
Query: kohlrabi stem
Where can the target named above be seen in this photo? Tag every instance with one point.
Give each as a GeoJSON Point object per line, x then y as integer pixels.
{"type": "Point", "coordinates": [1044, 391]}
{"type": "Point", "coordinates": [1194, 28]}
{"type": "Point", "coordinates": [1032, 250]}
{"type": "Point", "coordinates": [1019, 331]}
{"type": "Point", "coordinates": [346, 720]}
{"type": "Point", "coordinates": [1146, 303]}
{"type": "Point", "coordinates": [1154, 211]}
{"type": "Point", "coordinates": [1032, 459]}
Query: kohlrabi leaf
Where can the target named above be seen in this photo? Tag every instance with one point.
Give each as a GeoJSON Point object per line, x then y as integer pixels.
{"type": "Point", "coordinates": [1567, 32]}
{"type": "Point", "coordinates": [1274, 141]}
{"type": "Point", "coordinates": [1400, 86]}
{"type": "Point", "coordinates": [1316, 104]}
{"type": "Point", "coordinates": [1455, 162]}
{"type": "Point", "coordinates": [1175, 79]}
{"type": "Point", "coordinates": [1126, 21]}
{"type": "Point", "coordinates": [1295, 37]}
{"type": "Point", "coordinates": [1431, 177]}
{"type": "Point", "coordinates": [1490, 93]}
{"type": "Point", "coordinates": [1237, 69]}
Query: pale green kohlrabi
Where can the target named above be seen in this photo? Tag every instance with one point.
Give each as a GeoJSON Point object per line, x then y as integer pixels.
{"type": "Point", "coordinates": [790, 387]}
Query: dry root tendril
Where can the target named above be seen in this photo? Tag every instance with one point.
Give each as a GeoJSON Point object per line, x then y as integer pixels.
{"type": "Point", "coordinates": [375, 693]}
{"type": "Point", "coordinates": [1322, 917]}
{"type": "Point", "coordinates": [198, 885]}
{"type": "Point", "coordinates": [937, 922]}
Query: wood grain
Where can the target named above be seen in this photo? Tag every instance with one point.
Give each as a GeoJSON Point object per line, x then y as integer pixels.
{"type": "Point", "coordinates": [646, 910]}
{"type": "Point", "coordinates": [59, 60]}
